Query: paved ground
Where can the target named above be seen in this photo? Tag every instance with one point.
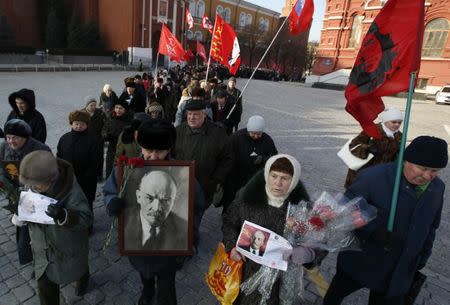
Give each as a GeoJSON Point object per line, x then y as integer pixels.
{"type": "Point", "coordinates": [307, 123]}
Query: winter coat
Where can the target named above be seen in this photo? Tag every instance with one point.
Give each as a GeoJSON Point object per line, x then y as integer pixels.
{"type": "Point", "coordinates": [220, 116]}
{"type": "Point", "coordinates": [107, 103]}
{"type": "Point", "coordinates": [95, 126]}
{"type": "Point", "coordinates": [148, 266]}
{"type": "Point", "coordinates": [385, 150]}
{"type": "Point", "coordinates": [61, 251]}
{"type": "Point", "coordinates": [416, 222]}
{"type": "Point", "coordinates": [136, 101]}
{"type": "Point", "coordinates": [80, 149]}
{"type": "Point", "coordinates": [245, 154]}
{"type": "Point", "coordinates": [251, 204]}
{"type": "Point", "coordinates": [33, 117]}
{"type": "Point", "coordinates": [235, 93]}
{"type": "Point", "coordinates": [210, 148]}
{"type": "Point", "coordinates": [180, 115]}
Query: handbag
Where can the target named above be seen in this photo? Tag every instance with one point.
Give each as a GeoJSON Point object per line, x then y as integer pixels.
{"type": "Point", "coordinates": [416, 286]}
{"type": "Point", "coordinates": [352, 162]}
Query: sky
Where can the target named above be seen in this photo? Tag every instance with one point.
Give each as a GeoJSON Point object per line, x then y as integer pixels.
{"type": "Point", "coordinates": [319, 11]}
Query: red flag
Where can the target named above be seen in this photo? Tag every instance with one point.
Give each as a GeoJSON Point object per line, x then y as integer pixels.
{"type": "Point", "coordinates": [189, 19]}
{"type": "Point", "coordinates": [225, 46]}
{"type": "Point", "coordinates": [389, 52]}
{"type": "Point", "coordinates": [169, 45]}
{"type": "Point", "coordinates": [207, 24]}
{"type": "Point", "coordinates": [300, 17]}
{"type": "Point", "coordinates": [201, 51]}
{"type": "Point", "coordinates": [188, 55]}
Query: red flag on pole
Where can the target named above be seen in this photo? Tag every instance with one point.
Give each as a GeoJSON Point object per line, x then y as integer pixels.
{"type": "Point", "coordinates": [188, 55]}
{"type": "Point", "coordinates": [225, 46]}
{"type": "Point", "coordinates": [189, 19]}
{"type": "Point", "coordinates": [390, 51]}
{"type": "Point", "coordinates": [207, 24]}
{"type": "Point", "coordinates": [201, 51]}
{"type": "Point", "coordinates": [169, 45]}
{"type": "Point", "coordinates": [300, 18]}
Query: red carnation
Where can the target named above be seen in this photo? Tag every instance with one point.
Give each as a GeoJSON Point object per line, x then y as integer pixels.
{"type": "Point", "coordinates": [122, 159]}
{"type": "Point", "coordinates": [317, 222]}
{"type": "Point", "coordinates": [136, 162]}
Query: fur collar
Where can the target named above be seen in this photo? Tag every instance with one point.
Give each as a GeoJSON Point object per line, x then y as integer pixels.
{"type": "Point", "coordinates": [254, 192]}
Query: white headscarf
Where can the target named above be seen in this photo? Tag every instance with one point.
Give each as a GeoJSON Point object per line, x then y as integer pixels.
{"type": "Point", "coordinates": [274, 200]}
{"type": "Point", "coordinates": [390, 114]}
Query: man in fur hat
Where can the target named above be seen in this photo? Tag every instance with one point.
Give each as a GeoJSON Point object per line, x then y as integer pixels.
{"type": "Point", "coordinates": [156, 139]}
{"type": "Point", "coordinates": [18, 144]}
{"type": "Point", "coordinates": [23, 104]}
{"type": "Point", "coordinates": [60, 250]}
{"type": "Point", "coordinates": [136, 101]}
{"type": "Point", "coordinates": [388, 261]}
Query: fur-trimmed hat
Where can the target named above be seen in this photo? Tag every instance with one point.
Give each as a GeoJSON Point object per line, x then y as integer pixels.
{"type": "Point", "coordinates": [156, 134]}
{"type": "Point", "coordinates": [18, 128]}
{"type": "Point", "coordinates": [427, 151]}
{"type": "Point", "coordinates": [79, 116]}
{"type": "Point", "coordinates": [195, 105]}
{"type": "Point", "coordinates": [37, 167]}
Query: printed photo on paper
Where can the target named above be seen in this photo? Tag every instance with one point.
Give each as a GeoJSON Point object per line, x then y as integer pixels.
{"type": "Point", "coordinates": [32, 207]}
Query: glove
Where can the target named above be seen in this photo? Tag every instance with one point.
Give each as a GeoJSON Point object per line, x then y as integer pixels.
{"type": "Point", "coordinates": [115, 206]}
{"type": "Point", "coordinates": [299, 255]}
{"type": "Point", "coordinates": [258, 160]}
{"type": "Point", "coordinates": [385, 238]}
{"type": "Point", "coordinates": [15, 221]}
{"type": "Point", "coordinates": [373, 149]}
{"type": "Point", "coordinates": [58, 213]}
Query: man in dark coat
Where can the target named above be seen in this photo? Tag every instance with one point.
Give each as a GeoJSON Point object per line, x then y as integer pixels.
{"type": "Point", "coordinates": [18, 144]}
{"type": "Point", "coordinates": [135, 100]}
{"type": "Point", "coordinates": [252, 147]}
{"type": "Point", "coordinates": [207, 144]}
{"type": "Point", "coordinates": [388, 261]}
{"type": "Point", "coordinates": [23, 103]}
{"type": "Point", "coordinates": [236, 94]}
{"type": "Point", "coordinates": [80, 149]}
{"type": "Point", "coordinates": [221, 107]}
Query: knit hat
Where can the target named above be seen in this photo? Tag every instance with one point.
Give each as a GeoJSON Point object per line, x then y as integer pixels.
{"type": "Point", "coordinates": [154, 107]}
{"type": "Point", "coordinates": [89, 99]}
{"type": "Point", "coordinates": [37, 167]}
{"type": "Point", "coordinates": [391, 114]}
{"type": "Point", "coordinates": [256, 124]}
{"type": "Point", "coordinates": [79, 116]}
{"type": "Point", "coordinates": [427, 151]}
{"type": "Point", "coordinates": [195, 105]}
{"type": "Point", "coordinates": [18, 128]}
{"type": "Point", "coordinates": [123, 103]}
{"type": "Point", "coordinates": [156, 134]}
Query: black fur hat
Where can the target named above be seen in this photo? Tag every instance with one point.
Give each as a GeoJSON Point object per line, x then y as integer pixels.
{"type": "Point", "coordinates": [156, 134]}
{"type": "Point", "coordinates": [18, 128]}
{"type": "Point", "coordinates": [427, 151]}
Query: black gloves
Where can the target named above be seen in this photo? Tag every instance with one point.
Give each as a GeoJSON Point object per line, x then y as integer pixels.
{"type": "Point", "coordinates": [57, 212]}
{"type": "Point", "coordinates": [385, 238]}
{"type": "Point", "coordinates": [115, 206]}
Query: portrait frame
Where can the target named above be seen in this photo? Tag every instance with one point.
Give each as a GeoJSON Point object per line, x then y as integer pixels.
{"type": "Point", "coordinates": [175, 235]}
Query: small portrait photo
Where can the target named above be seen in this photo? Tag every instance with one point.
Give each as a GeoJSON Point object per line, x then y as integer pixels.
{"type": "Point", "coordinates": [11, 168]}
{"type": "Point", "coordinates": [158, 217]}
{"type": "Point", "coordinates": [253, 240]}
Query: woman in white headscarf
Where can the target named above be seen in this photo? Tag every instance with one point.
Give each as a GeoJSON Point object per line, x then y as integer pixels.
{"type": "Point", "coordinates": [385, 150]}
{"type": "Point", "coordinates": [264, 200]}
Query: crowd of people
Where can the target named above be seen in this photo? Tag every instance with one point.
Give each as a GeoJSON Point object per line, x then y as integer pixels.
{"type": "Point", "coordinates": [180, 114]}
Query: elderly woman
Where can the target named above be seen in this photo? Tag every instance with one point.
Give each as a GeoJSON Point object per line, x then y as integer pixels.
{"type": "Point", "coordinates": [108, 99]}
{"type": "Point", "coordinates": [385, 150]}
{"type": "Point", "coordinates": [264, 200]}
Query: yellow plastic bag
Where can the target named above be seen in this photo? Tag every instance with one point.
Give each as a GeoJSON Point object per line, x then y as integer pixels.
{"type": "Point", "coordinates": [224, 276]}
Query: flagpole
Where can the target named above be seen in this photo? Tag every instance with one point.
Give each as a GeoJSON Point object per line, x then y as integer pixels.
{"type": "Point", "coordinates": [156, 65]}
{"type": "Point", "coordinates": [400, 155]}
{"type": "Point", "coordinates": [210, 49]}
{"type": "Point", "coordinates": [256, 69]}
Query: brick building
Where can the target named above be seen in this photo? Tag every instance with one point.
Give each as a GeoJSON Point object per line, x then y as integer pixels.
{"type": "Point", "coordinates": [346, 22]}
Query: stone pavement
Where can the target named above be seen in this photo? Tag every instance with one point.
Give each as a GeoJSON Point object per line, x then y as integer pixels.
{"type": "Point", "coordinates": [307, 123]}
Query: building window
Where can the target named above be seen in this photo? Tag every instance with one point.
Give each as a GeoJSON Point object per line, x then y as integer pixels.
{"type": "Point", "coordinates": [435, 37]}
{"type": "Point", "coordinates": [189, 35]}
{"type": "Point", "coordinates": [263, 24]}
{"type": "Point", "coordinates": [422, 83]}
{"type": "Point", "coordinates": [249, 19]}
{"type": "Point", "coordinates": [330, 40]}
{"type": "Point", "coordinates": [163, 9]}
{"type": "Point", "coordinates": [198, 36]}
{"type": "Point", "coordinates": [219, 11]}
{"type": "Point", "coordinates": [197, 8]}
{"type": "Point", "coordinates": [355, 35]}
{"type": "Point", "coordinates": [227, 14]}
{"type": "Point", "coordinates": [242, 20]}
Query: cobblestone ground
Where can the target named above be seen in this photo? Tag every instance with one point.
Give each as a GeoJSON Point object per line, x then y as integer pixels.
{"type": "Point", "coordinates": [307, 123]}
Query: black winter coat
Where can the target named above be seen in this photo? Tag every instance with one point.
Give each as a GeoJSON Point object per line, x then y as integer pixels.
{"type": "Point", "coordinates": [220, 116]}
{"type": "Point", "coordinates": [136, 101]}
{"type": "Point", "coordinates": [96, 123]}
{"type": "Point", "coordinates": [107, 103]}
{"type": "Point", "coordinates": [33, 117]}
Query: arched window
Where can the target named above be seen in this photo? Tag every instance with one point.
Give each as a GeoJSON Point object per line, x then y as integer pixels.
{"type": "Point", "coordinates": [197, 8]}
{"type": "Point", "coordinates": [189, 35]}
{"type": "Point", "coordinates": [263, 24]}
{"type": "Point", "coordinates": [249, 20]}
{"type": "Point", "coordinates": [219, 10]}
{"type": "Point", "coordinates": [227, 14]}
{"type": "Point", "coordinates": [198, 36]}
{"type": "Point", "coordinates": [435, 37]}
{"type": "Point", "coordinates": [355, 35]}
{"type": "Point", "coordinates": [242, 20]}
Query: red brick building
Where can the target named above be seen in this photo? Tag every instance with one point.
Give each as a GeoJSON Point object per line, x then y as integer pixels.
{"type": "Point", "coordinates": [346, 22]}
